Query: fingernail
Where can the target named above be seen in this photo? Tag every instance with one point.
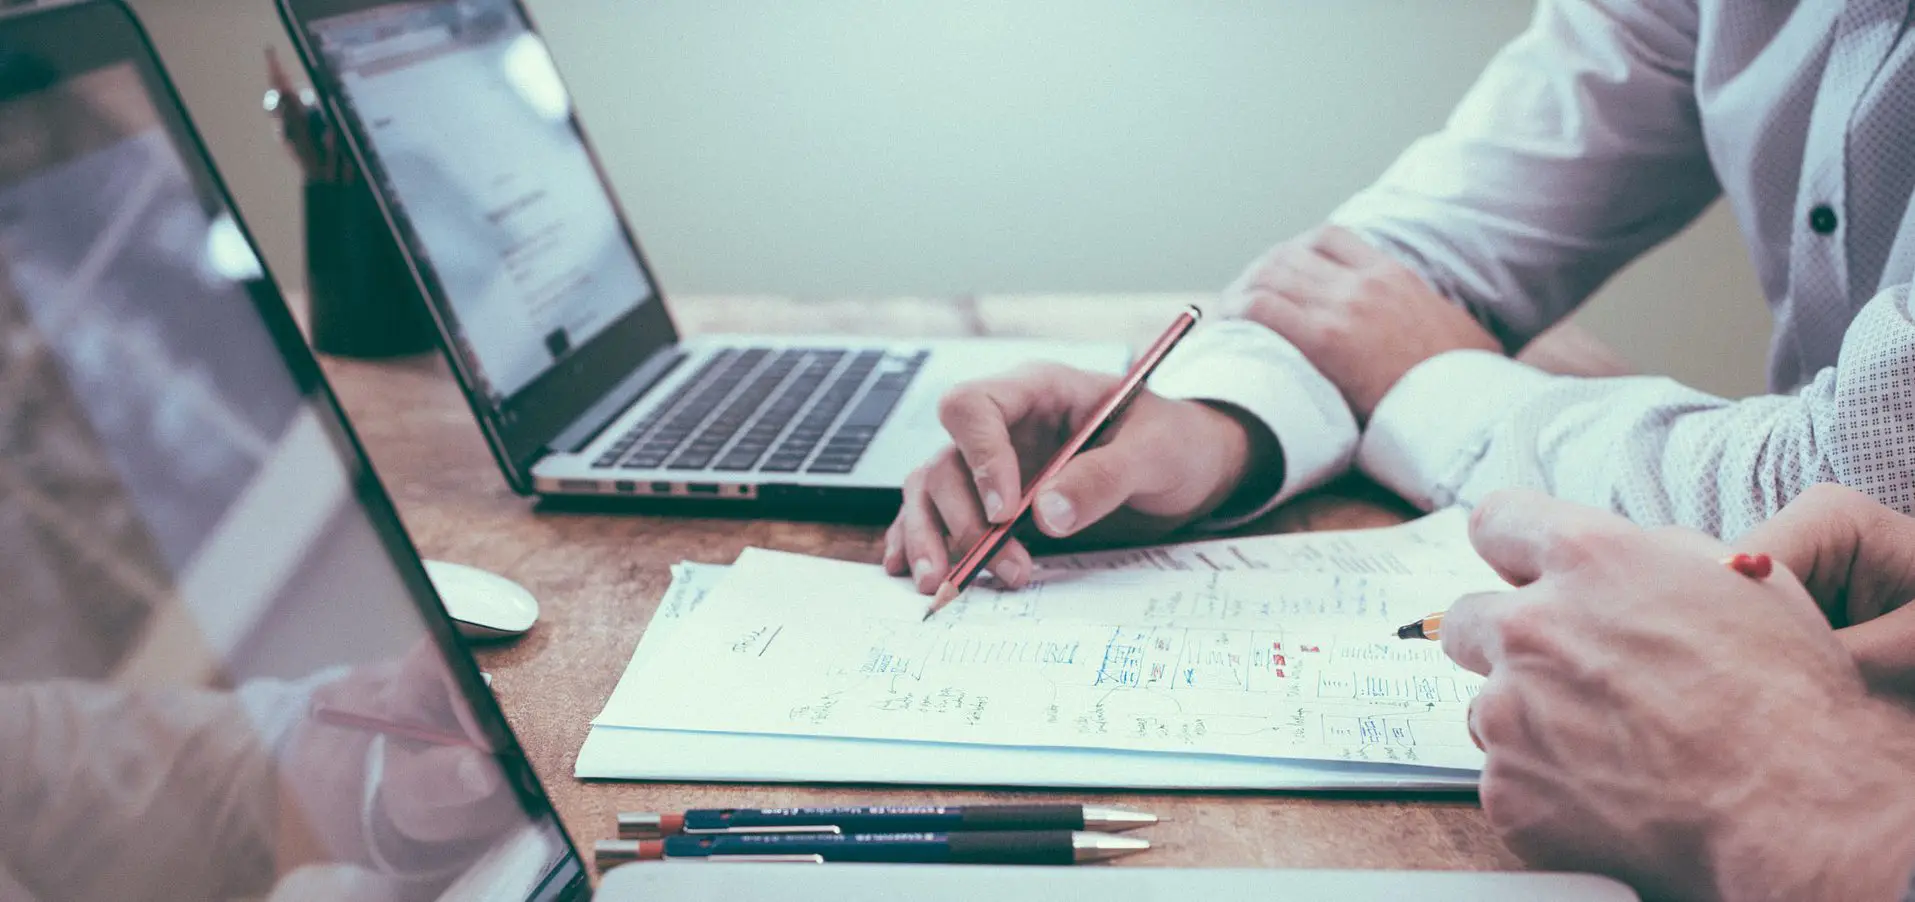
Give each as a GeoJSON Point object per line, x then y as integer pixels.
{"type": "Point", "coordinates": [993, 505]}
{"type": "Point", "coordinates": [890, 549]}
{"type": "Point", "coordinates": [1056, 511]}
{"type": "Point", "coordinates": [1009, 571]}
{"type": "Point", "coordinates": [922, 568]}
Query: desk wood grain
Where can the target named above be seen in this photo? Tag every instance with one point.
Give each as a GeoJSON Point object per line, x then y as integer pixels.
{"type": "Point", "coordinates": [599, 577]}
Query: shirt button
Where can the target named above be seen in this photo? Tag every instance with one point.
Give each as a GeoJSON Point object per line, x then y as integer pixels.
{"type": "Point", "coordinates": [1822, 219]}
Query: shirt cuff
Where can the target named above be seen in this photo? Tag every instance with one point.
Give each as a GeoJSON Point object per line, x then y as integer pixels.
{"type": "Point", "coordinates": [275, 707]}
{"type": "Point", "coordinates": [1244, 365]}
{"type": "Point", "coordinates": [1433, 425]}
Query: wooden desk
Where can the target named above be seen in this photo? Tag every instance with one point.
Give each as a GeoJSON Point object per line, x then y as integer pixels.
{"type": "Point", "coordinates": [599, 578]}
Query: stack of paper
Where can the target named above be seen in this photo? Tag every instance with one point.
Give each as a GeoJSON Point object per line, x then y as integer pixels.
{"type": "Point", "coordinates": [1266, 663]}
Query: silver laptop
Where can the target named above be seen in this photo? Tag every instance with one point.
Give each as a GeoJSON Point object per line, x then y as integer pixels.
{"type": "Point", "coordinates": [551, 317]}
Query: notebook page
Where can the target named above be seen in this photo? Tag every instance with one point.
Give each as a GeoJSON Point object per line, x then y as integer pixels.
{"type": "Point", "coordinates": [1234, 663]}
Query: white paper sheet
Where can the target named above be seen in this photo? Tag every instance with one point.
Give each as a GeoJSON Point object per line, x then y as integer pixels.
{"type": "Point", "coordinates": [618, 753]}
{"type": "Point", "coordinates": [1251, 663]}
{"type": "Point", "coordinates": [1434, 548]}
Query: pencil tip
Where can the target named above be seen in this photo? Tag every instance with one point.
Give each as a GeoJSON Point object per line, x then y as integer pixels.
{"type": "Point", "coordinates": [946, 594]}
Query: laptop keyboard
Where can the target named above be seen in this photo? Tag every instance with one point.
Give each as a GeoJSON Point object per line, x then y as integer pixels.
{"type": "Point", "coordinates": [736, 412]}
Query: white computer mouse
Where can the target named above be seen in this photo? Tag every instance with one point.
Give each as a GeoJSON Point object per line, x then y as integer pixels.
{"type": "Point", "coordinates": [483, 605]}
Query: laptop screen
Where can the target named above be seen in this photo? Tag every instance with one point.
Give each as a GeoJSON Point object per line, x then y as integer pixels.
{"type": "Point", "coordinates": [472, 140]}
{"type": "Point", "coordinates": [221, 675]}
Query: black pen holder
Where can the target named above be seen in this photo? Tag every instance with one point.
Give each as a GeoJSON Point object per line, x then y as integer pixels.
{"type": "Point", "coordinates": [363, 300]}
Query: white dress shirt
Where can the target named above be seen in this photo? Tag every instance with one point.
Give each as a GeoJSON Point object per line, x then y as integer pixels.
{"type": "Point", "coordinates": [1601, 131]}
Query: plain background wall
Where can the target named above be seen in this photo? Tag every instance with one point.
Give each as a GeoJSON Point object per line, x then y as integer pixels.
{"type": "Point", "coordinates": [832, 148]}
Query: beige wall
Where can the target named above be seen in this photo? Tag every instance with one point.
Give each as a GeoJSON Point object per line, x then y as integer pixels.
{"type": "Point", "coordinates": [863, 147]}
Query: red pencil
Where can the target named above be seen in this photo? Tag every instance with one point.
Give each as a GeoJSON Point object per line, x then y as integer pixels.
{"type": "Point", "coordinates": [352, 720]}
{"type": "Point", "coordinates": [1108, 413]}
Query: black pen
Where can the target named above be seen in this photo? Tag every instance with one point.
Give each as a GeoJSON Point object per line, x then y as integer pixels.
{"type": "Point", "coordinates": [882, 819]}
{"type": "Point", "coordinates": [1042, 847]}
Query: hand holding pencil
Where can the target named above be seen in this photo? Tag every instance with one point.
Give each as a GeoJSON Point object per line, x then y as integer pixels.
{"type": "Point", "coordinates": [1107, 416]}
{"type": "Point", "coordinates": [1165, 464]}
{"type": "Point", "coordinates": [396, 737]}
{"type": "Point", "coordinates": [1638, 679]}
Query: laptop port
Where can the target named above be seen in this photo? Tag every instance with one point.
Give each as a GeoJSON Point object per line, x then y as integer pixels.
{"type": "Point", "coordinates": [625, 487]}
{"type": "Point", "coordinates": [661, 488]}
{"type": "Point", "coordinates": [702, 488]}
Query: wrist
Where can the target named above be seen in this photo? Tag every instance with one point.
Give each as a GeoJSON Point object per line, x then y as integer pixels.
{"type": "Point", "coordinates": [1249, 460]}
{"type": "Point", "coordinates": [1836, 823]}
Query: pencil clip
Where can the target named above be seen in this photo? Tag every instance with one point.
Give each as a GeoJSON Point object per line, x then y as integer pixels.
{"type": "Point", "coordinates": [736, 831]}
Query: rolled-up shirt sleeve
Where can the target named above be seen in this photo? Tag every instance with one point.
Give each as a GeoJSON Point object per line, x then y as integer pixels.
{"type": "Point", "coordinates": [1578, 148]}
{"type": "Point", "coordinates": [1466, 423]}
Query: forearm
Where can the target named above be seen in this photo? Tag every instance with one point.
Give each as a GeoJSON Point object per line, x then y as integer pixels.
{"type": "Point", "coordinates": [1462, 425]}
{"type": "Point", "coordinates": [1576, 150]}
{"type": "Point", "coordinates": [1652, 450]}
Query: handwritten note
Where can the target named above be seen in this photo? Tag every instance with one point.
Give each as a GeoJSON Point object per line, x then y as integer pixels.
{"type": "Point", "coordinates": [1249, 662]}
{"type": "Point", "coordinates": [691, 582]}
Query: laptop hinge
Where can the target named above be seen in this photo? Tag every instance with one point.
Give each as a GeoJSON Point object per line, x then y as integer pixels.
{"type": "Point", "coordinates": [573, 438]}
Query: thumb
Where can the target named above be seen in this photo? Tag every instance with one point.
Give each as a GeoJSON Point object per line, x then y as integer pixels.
{"type": "Point", "coordinates": [1525, 534]}
{"type": "Point", "coordinates": [1473, 628]}
{"type": "Point", "coordinates": [1087, 490]}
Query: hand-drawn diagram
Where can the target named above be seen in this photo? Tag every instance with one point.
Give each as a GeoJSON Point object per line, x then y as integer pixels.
{"type": "Point", "coordinates": [1246, 663]}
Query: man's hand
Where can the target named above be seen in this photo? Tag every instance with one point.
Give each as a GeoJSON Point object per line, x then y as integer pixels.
{"type": "Point", "coordinates": [1167, 463]}
{"type": "Point", "coordinates": [1361, 317]}
{"type": "Point", "coordinates": [1857, 559]}
{"type": "Point", "coordinates": [429, 798]}
{"type": "Point", "coordinates": [1653, 715]}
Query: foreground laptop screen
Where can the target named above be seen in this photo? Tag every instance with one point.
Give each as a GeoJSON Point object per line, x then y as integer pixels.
{"type": "Point", "coordinates": [489, 179]}
{"type": "Point", "coordinates": [215, 680]}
